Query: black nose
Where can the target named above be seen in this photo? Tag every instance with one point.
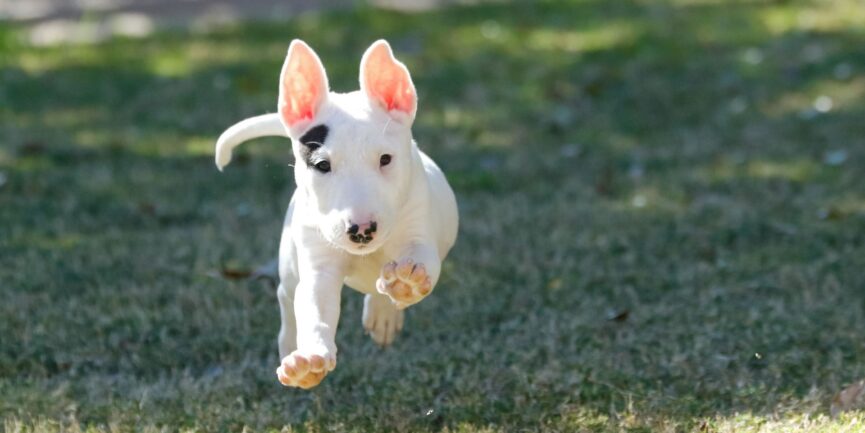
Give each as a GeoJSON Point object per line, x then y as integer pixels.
{"type": "Point", "coordinates": [362, 237]}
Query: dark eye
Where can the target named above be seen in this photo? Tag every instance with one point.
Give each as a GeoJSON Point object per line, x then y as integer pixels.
{"type": "Point", "coordinates": [385, 160]}
{"type": "Point", "coordinates": [322, 166]}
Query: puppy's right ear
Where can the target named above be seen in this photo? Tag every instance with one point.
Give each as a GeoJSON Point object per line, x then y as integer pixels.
{"type": "Point", "coordinates": [387, 83]}
{"type": "Point", "coordinates": [302, 87]}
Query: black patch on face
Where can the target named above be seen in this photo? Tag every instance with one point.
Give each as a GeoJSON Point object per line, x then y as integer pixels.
{"type": "Point", "coordinates": [312, 140]}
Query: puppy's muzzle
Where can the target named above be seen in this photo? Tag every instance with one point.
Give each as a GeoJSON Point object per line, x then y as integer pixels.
{"type": "Point", "coordinates": [362, 233]}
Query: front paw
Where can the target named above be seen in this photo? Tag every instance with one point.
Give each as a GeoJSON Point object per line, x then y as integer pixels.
{"type": "Point", "coordinates": [406, 282]}
{"type": "Point", "coordinates": [305, 371]}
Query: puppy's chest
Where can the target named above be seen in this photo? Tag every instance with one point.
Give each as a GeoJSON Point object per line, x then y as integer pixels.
{"type": "Point", "coordinates": [364, 271]}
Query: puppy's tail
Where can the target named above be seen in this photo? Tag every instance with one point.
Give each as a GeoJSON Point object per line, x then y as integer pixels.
{"type": "Point", "coordinates": [265, 125]}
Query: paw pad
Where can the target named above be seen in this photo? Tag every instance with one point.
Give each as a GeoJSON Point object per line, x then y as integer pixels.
{"type": "Point", "coordinates": [304, 371]}
{"type": "Point", "coordinates": [405, 282]}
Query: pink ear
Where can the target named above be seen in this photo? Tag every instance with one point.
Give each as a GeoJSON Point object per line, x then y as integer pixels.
{"type": "Point", "coordinates": [387, 82]}
{"type": "Point", "coordinates": [302, 84]}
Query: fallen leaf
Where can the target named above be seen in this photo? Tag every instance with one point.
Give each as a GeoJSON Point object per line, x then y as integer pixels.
{"type": "Point", "coordinates": [235, 274]}
{"type": "Point", "coordinates": [268, 272]}
{"type": "Point", "coordinates": [604, 182]}
{"type": "Point", "coordinates": [850, 398]}
{"type": "Point", "coordinates": [618, 316]}
{"type": "Point", "coordinates": [829, 214]}
{"type": "Point", "coordinates": [30, 148]}
{"type": "Point", "coordinates": [147, 208]}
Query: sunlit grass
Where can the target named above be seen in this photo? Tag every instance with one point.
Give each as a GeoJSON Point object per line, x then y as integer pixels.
{"type": "Point", "coordinates": [796, 171]}
{"type": "Point", "coordinates": [818, 16]}
{"type": "Point", "coordinates": [569, 42]}
{"type": "Point", "coordinates": [793, 423]}
{"type": "Point", "coordinates": [827, 96]}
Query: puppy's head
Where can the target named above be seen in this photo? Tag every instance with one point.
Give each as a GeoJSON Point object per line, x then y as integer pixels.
{"type": "Point", "coordinates": [353, 151]}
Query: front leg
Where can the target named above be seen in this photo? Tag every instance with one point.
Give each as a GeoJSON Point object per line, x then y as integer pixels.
{"type": "Point", "coordinates": [316, 309]}
{"type": "Point", "coordinates": [412, 277]}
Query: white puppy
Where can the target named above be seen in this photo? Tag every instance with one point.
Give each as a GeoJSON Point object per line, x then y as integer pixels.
{"type": "Point", "coordinates": [370, 210]}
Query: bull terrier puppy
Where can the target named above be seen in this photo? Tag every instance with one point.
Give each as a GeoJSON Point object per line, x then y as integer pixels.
{"type": "Point", "coordinates": [370, 210]}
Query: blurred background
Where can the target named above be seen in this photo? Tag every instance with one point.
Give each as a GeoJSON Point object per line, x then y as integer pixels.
{"type": "Point", "coordinates": [662, 217]}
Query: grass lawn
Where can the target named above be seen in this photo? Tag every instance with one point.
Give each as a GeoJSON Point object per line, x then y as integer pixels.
{"type": "Point", "coordinates": [663, 224]}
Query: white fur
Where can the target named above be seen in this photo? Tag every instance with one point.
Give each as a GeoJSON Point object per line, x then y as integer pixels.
{"type": "Point", "coordinates": [254, 127]}
{"type": "Point", "coordinates": [410, 200]}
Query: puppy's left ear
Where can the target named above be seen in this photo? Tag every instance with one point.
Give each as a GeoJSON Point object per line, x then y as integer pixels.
{"type": "Point", "coordinates": [387, 83]}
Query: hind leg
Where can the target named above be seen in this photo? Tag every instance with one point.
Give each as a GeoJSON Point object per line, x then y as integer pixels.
{"type": "Point", "coordinates": [381, 319]}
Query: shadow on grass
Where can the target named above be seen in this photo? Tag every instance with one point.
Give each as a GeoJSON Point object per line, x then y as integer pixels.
{"type": "Point", "coordinates": [647, 229]}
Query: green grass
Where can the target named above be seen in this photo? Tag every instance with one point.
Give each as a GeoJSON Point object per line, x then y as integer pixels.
{"type": "Point", "coordinates": [661, 162]}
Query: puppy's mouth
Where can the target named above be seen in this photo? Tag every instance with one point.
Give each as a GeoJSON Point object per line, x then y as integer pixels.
{"type": "Point", "coordinates": [361, 248]}
{"type": "Point", "coordinates": [341, 240]}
